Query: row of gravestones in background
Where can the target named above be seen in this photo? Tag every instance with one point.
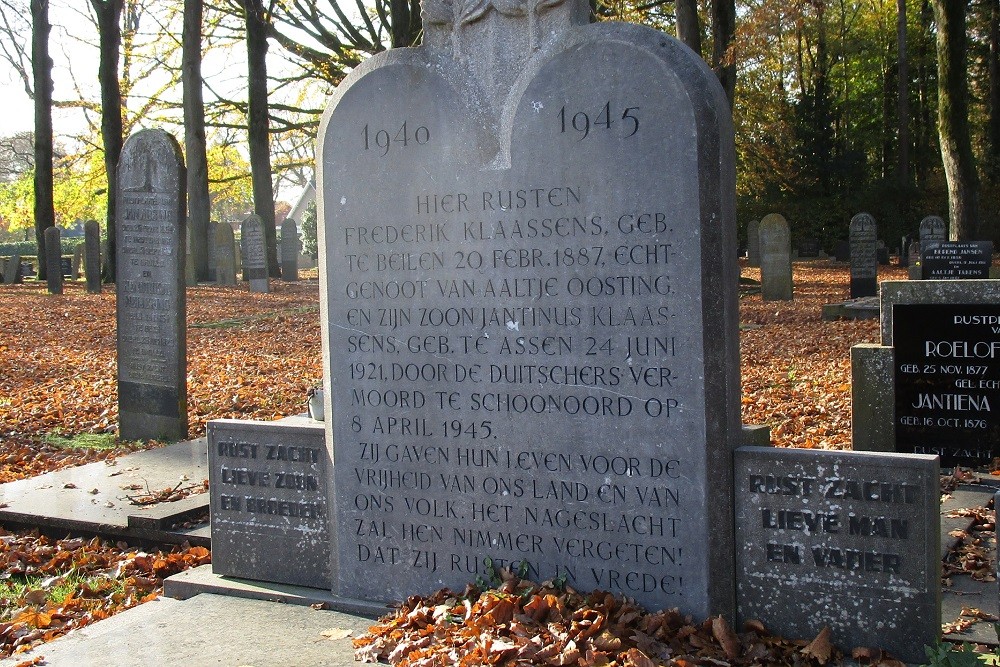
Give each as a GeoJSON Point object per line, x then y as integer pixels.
{"type": "Point", "coordinates": [770, 249]}
{"type": "Point", "coordinates": [620, 473]}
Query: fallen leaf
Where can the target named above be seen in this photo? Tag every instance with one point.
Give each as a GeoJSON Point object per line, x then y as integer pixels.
{"type": "Point", "coordinates": [820, 648]}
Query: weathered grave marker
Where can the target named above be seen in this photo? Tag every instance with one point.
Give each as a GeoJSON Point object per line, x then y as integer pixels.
{"type": "Point", "coordinates": [776, 259]}
{"type": "Point", "coordinates": [12, 272]}
{"type": "Point", "coordinates": [152, 339]}
{"type": "Point", "coordinates": [213, 228]}
{"type": "Point", "coordinates": [845, 540]}
{"type": "Point", "coordinates": [947, 381]}
{"type": "Point", "coordinates": [53, 261]}
{"type": "Point", "coordinates": [932, 229]}
{"type": "Point", "coordinates": [945, 260]}
{"type": "Point", "coordinates": [92, 256]}
{"type": "Point", "coordinates": [809, 248]}
{"type": "Point", "coordinates": [77, 261]}
{"type": "Point", "coordinates": [588, 220]}
{"type": "Point", "coordinates": [224, 255]}
{"type": "Point", "coordinates": [254, 253]}
{"type": "Point", "coordinates": [289, 251]}
{"type": "Point", "coordinates": [864, 258]}
{"type": "Point", "coordinates": [268, 488]}
{"type": "Point", "coordinates": [753, 243]}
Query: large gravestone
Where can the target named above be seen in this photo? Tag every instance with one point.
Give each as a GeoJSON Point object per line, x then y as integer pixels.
{"type": "Point", "coordinates": [753, 243]}
{"type": "Point", "coordinates": [254, 253]}
{"type": "Point", "coordinates": [224, 254]}
{"type": "Point", "coordinates": [152, 339]}
{"type": "Point", "coordinates": [849, 541]}
{"type": "Point", "coordinates": [92, 256]}
{"type": "Point", "coordinates": [775, 259]}
{"type": "Point", "coordinates": [864, 257]}
{"type": "Point", "coordinates": [529, 310]}
{"type": "Point", "coordinates": [947, 379]}
{"type": "Point", "coordinates": [53, 261]}
{"type": "Point", "coordinates": [289, 251]}
{"type": "Point", "coordinates": [268, 493]}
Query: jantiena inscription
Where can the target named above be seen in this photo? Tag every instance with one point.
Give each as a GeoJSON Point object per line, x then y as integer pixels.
{"type": "Point", "coordinates": [530, 316]}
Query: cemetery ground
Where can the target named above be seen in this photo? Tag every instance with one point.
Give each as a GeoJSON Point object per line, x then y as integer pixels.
{"type": "Point", "coordinates": [255, 356]}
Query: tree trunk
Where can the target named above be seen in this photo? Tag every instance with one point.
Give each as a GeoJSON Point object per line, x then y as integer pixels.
{"type": "Point", "coordinates": [41, 68]}
{"type": "Point", "coordinates": [953, 121]}
{"type": "Point", "coordinates": [723, 29]}
{"type": "Point", "coordinates": [924, 69]}
{"type": "Point", "coordinates": [257, 128]}
{"type": "Point", "coordinates": [902, 98]}
{"type": "Point", "coordinates": [688, 25]}
{"type": "Point", "coordinates": [404, 16]}
{"type": "Point", "coordinates": [109, 13]}
{"type": "Point", "coordinates": [993, 120]}
{"type": "Point", "coordinates": [195, 144]}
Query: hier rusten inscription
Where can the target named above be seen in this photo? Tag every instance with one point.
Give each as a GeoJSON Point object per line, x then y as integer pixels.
{"type": "Point", "coordinates": [529, 311]}
{"type": "Point", "coordinates": [844, 540]}
{"type": "Point", "coordinates": [152, 342]}
{"type": "Point", "coordinates": [948, 381]}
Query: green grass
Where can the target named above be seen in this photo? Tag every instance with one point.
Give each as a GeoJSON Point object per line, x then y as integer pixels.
{"type": "Point", "coordinates": [57, 589]}
{"type": "Point", "coordinates": [98, 441]}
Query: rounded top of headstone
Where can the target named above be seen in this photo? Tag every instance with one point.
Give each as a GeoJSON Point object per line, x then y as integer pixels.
{"type": "Point", "coordinates": [862, 220]}
{"type": "Point", "coordinates": [933, 227]}
{"type": "Point", "coordinates": [773, 220]}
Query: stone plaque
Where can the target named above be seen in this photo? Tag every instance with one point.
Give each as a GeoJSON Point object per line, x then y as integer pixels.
{"type": "Point", "coordinates": [53, 261]}
{"type": "Point", "coordinates": [776, 259]}
{"type": "Point", "coordinates": [933, 228]}
{"type": "Point", "coordinates": [152, 338]}
{"type": "Point", "coordinates": [92, 256]}
{"type": "Point", "coordinates": [945, 260]}
{"type": "Point", "coordinates": [268, 483]}
{"type": "Point", "coordinates": [254, 253]}
{"type": "Point", "coordinates": [845, 540]}
{"type": "Point", "coordinates": [529, 311]}
{"type": "Point", "coordinates": [753, 243]}
{"type": "Point", "coordinates": [947, 360]}
{"type": "Point", "coordinates": [289, 251]}
{"type": "Point", "coordinates": [864, 256]}
{"type": "Point", "coordinates": [223, 257]}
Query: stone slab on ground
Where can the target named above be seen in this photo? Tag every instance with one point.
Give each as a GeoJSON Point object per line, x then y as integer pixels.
{"type": "Point", "coordinates": [207, 630]}
{"type": "Point", "coordinates": [863, 308]}
{"type": "Point", "coordinates": [93, 499]}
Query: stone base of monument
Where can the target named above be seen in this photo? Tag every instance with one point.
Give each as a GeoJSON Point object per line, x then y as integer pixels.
{"type": "Point", "coordinates": [864, 308]}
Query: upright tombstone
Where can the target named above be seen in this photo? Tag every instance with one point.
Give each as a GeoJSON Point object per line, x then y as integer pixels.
{"type": "Point", "coordinates": [864, 256]}
{"type": "Point", "coordinates": [224, 254]}
{"type": "Point", "coordinates": [932, 230]}
{"type": "Point", "coordinates": [545, 201]}
{"type": "Point", "coordinates": [190, 273]}
{"type": "Point", "coordinates": [53, 261]}
{"type": "Point", "coordinates": [12, 272]}
{"type": "Point", "coordinates": [775, 259]}
{"type": "Point", "coordinates": [212, 231]}
{"type": "Point", "coordinates": [289, 251]}
{"type": "Point", "coordinates": [254, 254]}
{"type": "Point", "coordinates": [152, 339]}
{"type": "Point", "coordinates": [92, 256]}
{"type": "Point", "coordinates": [77, 261]}
{"type": "Point", "coordinates": [753, 243]}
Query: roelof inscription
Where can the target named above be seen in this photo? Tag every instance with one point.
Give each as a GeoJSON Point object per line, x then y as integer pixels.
{"type": "Point", "coordinates": [849, 540]}
{"type": "Point", "coordinates": [948, 381]}
{"type": "Point", "coordinates": [509, 300]}
{"type": "Point", "coordinates": [152, 350]}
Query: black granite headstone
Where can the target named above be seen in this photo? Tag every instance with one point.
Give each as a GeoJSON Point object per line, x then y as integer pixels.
{"type": "Point", "coordinates": [92, 256]}
{"type": "Point", "coordinates": [947, 260]}
{"type": "Point", "coordinates": [864, 256]}
{"type": "Point", "coordinates": [289, 251]}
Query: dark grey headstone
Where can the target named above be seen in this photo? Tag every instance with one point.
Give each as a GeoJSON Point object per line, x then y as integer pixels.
{"type": "Point", "coordinates": [12, 273]}
{"type": "Point", "coordinates": [956, 260]}
{"type": "Point", "coordinates": [212, 231]}
{"type": "Point", "coordinates": [53, 261]}
{"type": "Point", "coordinates": [809, 248]}
{"type": "Point", "coordinates": [904, 251]}
{"type": "Point", "coordinates": [753, 243]}
{"type": "Point", "coordinates": [529, 311]}
{"type": "Point", "coordinates": [152, 339]}
{"type": "Point", "coordinates": [268, 483]}
{"type": "Point", "coordinates": [289, 251]}
{"type": "Point", "coordinates": [92, 256]}
{"type": "Point", "coordinates": [844, 540]}
{"type": "Point", "coordinates": [933, 228]}
{"type": "Point", "coordinates": [864, 256]}
{"type": "Point", "coordinates": [223, 258]}
{"type": "Point", "coordinates": [254, 247]}
{"type": "Point", "coordinates": [775, 259]}
{"type": "Point", "coordinates": [842, 251]}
